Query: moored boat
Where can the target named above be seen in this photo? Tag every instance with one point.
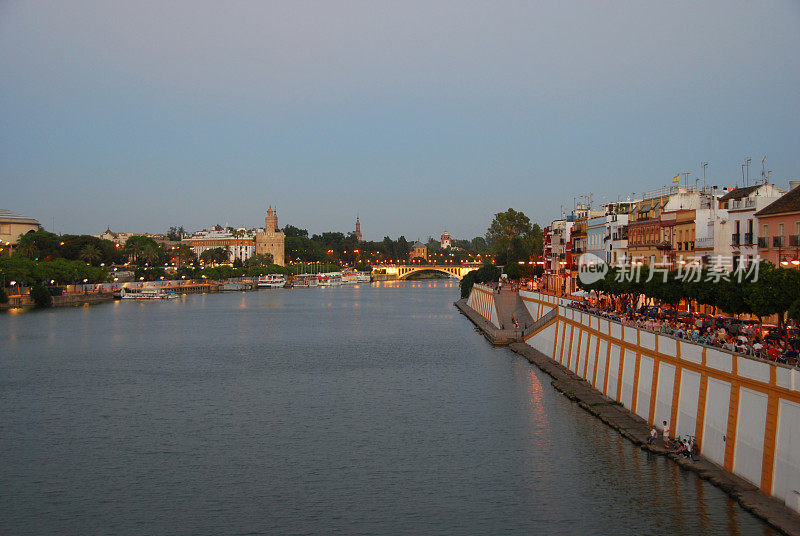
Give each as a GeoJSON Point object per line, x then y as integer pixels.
{"type": "Point", "coordinates": [146, 293]}
{"type": "Point", "coordinates": [305, 280]}
{"type": "Point", "coordinates": [271, 281]}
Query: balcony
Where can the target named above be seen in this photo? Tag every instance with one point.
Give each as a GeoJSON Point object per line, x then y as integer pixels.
{"type": "Point", "coordinates": [794, 240]}
{"type": "Point", "coordinates": [777, 242]}
{"type": "Point", "coordinates": [762, 242]}
{"type": "Point", "coordinates": [577, 250]}
{"type": "Point", "coordinates": [748, 238]}
{"type": "Point", "coordinates": [735, 239]}
{"type": "Point", "coordinates": [664, 245]}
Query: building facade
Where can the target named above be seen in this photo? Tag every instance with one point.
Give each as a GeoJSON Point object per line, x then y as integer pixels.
{"type": "Point", "coordinates": [779, 229]}
{"type": "Point", "coordinates": [240, 244]}
{"type": "Point", "coordinates": [418, 249]}
{"type": "Point", "coordinates": [446, 241]}
{"type": "Point", "coordinates": [741, 205]}
{"type": "Point", "coordinates": [12, 225]}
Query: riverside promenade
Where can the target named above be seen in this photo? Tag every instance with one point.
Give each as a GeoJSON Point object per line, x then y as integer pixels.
{"type": "Point", "coordinates": [628, 424]}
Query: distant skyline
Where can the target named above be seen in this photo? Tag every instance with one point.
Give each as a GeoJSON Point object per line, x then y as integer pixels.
{"type": "Point", "coordinates": [419, 117]}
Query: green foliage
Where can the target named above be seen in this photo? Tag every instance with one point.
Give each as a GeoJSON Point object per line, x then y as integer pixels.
{"type": "Point", "coordinates": [214, 256]}
{"type": "Point", "coordinates": [485, 274]}
{"type": "Point", "coordinates": [517, 271]}
{"type": "Point", "coordinates": [3, 295]}
{"type": "Point", "coordinates": [264, 259]}
{"type": "Point", "coordinates": [254, 271]}
{"type": "Point", "coordinates": [794, 310]}
{"type": "Point", "coordinates": [774, 293]}
{"type": "Point", "coordinates": [149, 273]}
{"type": "Point", "coordinates": [17, 268]}
{"type": "Point", "coordinates": [512, 236]}
{"type": "Point", "coordinates": [363, 267]}
{"type": "Point", "coordinates": [291, 231]}
{"type": "Point", "coordinates": [41, 296]}
{"type": "Point", "coordinates": [64, 272]}
{"type": "Point", "coordinates": [40, 244]}
{"type": "Point", "coordinates": [143, 250]}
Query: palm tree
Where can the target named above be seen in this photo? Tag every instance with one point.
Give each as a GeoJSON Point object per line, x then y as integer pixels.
{"type": "Point", "coordinates": [90, 253]}
{"type": "Point", "coordinates": [150, 254]}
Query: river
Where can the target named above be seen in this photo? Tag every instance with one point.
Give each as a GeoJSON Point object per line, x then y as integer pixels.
{"type": "Point", "coordinates": [374, 409]}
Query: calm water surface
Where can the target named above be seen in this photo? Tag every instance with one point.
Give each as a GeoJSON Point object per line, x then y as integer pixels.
{"type": "Point", "coordinates": [367, 410]}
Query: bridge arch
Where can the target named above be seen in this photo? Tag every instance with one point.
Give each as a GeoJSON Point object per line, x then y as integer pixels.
{"type": "Point", "coordinates": [403, 272]}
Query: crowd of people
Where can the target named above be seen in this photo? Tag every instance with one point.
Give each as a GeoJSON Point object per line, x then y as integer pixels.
{"type": "Point", "coordinates": [744, 338]}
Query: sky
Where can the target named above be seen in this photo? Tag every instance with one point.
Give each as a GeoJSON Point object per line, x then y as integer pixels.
{"type": "Point", "coordinates": [418, 117]}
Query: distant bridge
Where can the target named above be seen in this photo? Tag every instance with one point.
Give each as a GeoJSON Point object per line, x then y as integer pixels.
{"type": "Point", "coordinates": [404, 271]}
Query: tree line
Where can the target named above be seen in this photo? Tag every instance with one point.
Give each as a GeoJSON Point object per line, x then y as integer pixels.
{"type": "Point", "coordinates": [768, 291]}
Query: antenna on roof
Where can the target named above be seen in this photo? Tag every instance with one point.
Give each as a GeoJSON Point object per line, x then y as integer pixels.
{"type": "Point", "coordinates": [764, 169]}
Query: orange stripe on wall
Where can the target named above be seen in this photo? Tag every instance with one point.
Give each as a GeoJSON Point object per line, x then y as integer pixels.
{"type": "Point", "coordinates": [654, 390]}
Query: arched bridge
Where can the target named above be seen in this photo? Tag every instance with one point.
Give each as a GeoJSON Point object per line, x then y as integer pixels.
{"type": "Point", "coordinates": [403, 271]}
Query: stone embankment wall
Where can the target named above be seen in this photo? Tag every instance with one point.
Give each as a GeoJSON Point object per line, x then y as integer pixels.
{"type": "Point", "coordinates": [481, 299]}
{"type": "Point", "coordinates": [743, 412]}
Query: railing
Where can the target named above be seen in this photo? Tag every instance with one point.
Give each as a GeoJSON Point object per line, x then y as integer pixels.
{"type": "Point", "coordinates": [794, 240]}
{"type": "Point", "coordinates": [762, 242]}
{"type": "Point", "coordinates": [735, 239]}
{"type": "Point", "coordinates": [777, 241]}
{"type": "Point", "coordinates": [748, 238]}
{"type": "Point", "coordinates": [541, 322]}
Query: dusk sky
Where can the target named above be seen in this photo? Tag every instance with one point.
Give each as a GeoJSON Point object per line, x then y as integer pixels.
{"type": "Point", "coordinates": [417, 116]}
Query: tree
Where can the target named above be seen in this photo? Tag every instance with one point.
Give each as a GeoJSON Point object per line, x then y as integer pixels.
{"type": "Point", "coordinates": [214, 256]}
{"type": "Point", "coordinates": [485, 274]}
{"type": "Point", "coordinates": [262, 259]}
{"type": "Point", "coordinates": [41, 296]}
{"type": "Point", "coordinates": [774, 293]}
{"type": "Point", "coordinates": [90, 253]}
{"type": "Point", "coordinates": [3, 295]}
{"type": "Point", "coordinates": [143, 249]}
{"type": "Point", "coordinates": [47, 244]}
{"type": "Point", "coordinates": [182, 254]}
{"type": "Point", "coordinates": [291, 230]}
{"type": "Point", "coordinates": [17, 268]}
{"type": "Point", "coordinates": [511, 234]}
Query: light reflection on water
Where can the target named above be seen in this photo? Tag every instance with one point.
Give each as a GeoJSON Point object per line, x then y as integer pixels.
{"type": "Point", "coordinates": [367, 410]}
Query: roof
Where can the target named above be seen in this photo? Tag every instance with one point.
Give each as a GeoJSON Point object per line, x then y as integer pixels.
{"type": "Point", "coordinates": [738, 193]}
{"type": "Point", "coordinates": [788, 202]}
{"type": "Point", "coordinates": [418, 244]}
{"type": "Point", "coordinates": [7, 216]}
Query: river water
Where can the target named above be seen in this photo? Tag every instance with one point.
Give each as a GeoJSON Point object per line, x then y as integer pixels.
{"type": "Point", "coordinates": [367, 410]}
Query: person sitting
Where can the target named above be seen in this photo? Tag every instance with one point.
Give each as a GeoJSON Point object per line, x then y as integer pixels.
{"type": "Point", "coordinates": [653, 435]}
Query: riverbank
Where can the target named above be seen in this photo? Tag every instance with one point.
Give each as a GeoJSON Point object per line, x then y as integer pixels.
{"type": "Point", "coordinates": [636, 429]}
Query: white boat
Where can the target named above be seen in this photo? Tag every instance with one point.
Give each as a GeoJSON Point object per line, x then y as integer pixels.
{"type": "Point", "coordinates": [330, 279]}
{"type": "Point", "coordinates": [363, 277]}
{"type": "Point", "coordinates": [349, 278]}
{"type": "Point", "coordinates": [305, 280]}
{"type": "Point", "coordinates": [271, 281]}
{"type": "Point", "coordinates": [232, 286]}
{"type": "Point", "coordinates": [146, 293]}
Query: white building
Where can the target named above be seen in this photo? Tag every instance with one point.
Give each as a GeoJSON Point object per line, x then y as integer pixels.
{"type": "Point", "coordinates": [241, 244]}
{"type": "Point", "coordinates": [741, 205]}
